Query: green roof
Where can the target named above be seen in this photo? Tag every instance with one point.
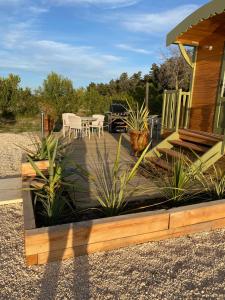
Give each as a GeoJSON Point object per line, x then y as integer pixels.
{"type": "Point", "coordinates": [205, 12]}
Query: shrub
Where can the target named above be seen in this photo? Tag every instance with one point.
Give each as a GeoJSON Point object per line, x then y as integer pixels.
{"type": "Point", "coordinates": [112, 183]}
{"type": "Point", "coordinates": [52, 190]}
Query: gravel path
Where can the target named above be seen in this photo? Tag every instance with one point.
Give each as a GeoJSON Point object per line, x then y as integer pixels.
{"type": "Point", "coordinates": [10, 153]}
{"type": "Point", "coordinates": [186, 268]}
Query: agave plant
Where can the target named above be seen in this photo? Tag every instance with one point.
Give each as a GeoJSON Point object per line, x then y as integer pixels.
{"type": "Point", "coordinates": [40, 148]}
{"type": "Point", "coordinates": [213, 183]}
{"type": "Point", "coordinates": [112, 183]}
{"type": "Point", "coordinates": [51, 191]}
{"type": "Point", "coordinates": [137, 119]}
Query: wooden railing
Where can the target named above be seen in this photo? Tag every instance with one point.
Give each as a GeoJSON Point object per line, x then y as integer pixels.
{"type": "Point", "coordinates": [175, 111]}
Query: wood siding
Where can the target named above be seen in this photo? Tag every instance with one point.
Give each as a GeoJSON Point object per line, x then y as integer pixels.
{"type": "Point", "coordinates": [206, 82]}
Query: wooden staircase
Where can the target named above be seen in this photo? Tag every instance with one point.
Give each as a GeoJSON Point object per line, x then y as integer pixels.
{"type": "Point", "coordinates": [201, 148]}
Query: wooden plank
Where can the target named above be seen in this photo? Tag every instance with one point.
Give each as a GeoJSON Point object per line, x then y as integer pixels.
{"type": "Point", "coordinates": [100, 246]}
{"type": "Point", "coordinates": [187, 145]}
{"type": "Point", "coordinates": [199, 140]}
{"type": "Point", "coordinates": [199, 213]}
{"type": "Point", "coordinates": [160, 163]}
{"type": "Point", "coordinates": [172, 153]}
{"type": "Point", "coordinates": [82, 233]}
{"type": "Point", "coordinates": [28, 171]}
{"type": "Point", "coordinates": [28, 213]}
{"type": "Point", "coordinates": [128, 241]}
{"type": "Point", "coordinates": [200, 134]}
{"type": "Point", "coordinates": [10, 190]}
{"type": "Point", "coordinates": [32, 259]}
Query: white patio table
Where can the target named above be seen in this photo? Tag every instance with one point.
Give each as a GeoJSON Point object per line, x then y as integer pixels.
{"type": "Point", "coordinates": [86, 121]}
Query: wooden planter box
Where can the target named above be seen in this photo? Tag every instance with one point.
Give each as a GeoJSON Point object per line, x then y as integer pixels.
{"type": "Point", "coordinates": [28, 171]}
{"type": "Point", "coordinates": [46, 244]}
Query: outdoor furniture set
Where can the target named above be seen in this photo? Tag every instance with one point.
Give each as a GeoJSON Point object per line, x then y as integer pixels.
{"type": "Point", "coordinates": [82, 126]}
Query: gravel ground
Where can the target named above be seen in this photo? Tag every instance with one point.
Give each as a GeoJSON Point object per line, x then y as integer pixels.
{"type": "Point", "coordinates": [185, 268]}
{"type": "Point", "coordinates": [11, 154]}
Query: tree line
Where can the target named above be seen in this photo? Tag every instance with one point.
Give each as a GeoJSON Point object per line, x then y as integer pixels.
{"type": "Point", "coordinates": [58, 95]}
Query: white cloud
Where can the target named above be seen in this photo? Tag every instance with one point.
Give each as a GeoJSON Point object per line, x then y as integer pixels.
{"type": "Point", "coordinates": [102, 3]}
{"type": "Point", "coordinates": [23, 50]}
{"type": "Point", "coordinates": [133, 49]}
{"type": "Point", "coordinates": [153, 23]}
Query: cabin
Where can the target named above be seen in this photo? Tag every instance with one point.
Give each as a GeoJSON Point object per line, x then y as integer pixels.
{"type": "Point", "coordinates": [195, 120]}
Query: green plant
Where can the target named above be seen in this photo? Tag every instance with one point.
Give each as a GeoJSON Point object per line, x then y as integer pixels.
{"type": "Point", "coordinates": [137, 119]}
{"type": "Point", "coordinates": [177, 184]}
{"type": "Point", "coordinates": [112, 183]}
{"type": "Point", "coordinates": [213, 182]}
{"type": "Point", "coordinates": [42, 147]}
{"type": "Point", "coordinates": [52, 190]}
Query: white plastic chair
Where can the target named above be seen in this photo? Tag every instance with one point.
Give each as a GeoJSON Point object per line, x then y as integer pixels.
{"type": "Point", "coordinates": [66, 125]}
{"type": "Point", "coordinates": [98, 124]}
{"type": "Point", "coordinates": [76, 126]}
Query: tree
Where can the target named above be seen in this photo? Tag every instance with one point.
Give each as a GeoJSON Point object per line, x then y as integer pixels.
{"type": "Point", "coordinates": [57, 92]}
{"type": "Point", "coordinates": [9, 95]}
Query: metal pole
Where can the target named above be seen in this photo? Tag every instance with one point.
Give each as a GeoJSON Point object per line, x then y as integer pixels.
{"type": "Point", "coordinates": [147, 94]}
{"type": "Point", "coordinates": [42, 125]}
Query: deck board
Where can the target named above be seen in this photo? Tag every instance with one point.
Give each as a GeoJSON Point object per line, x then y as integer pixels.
{"type": "Point", "coordinates": [87, 152]}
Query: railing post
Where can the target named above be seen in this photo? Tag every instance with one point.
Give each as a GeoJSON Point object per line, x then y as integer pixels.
{"type": "Point", "coordinates": [223, 144]}
{"type": "Point", "coordinates": [178, 109]}
{"type": "Point", "coordinates": [163, 111]}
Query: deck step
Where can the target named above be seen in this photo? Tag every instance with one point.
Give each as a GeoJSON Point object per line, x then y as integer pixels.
{"type": "Point", "coordinates": [172, 153]}
{"type": "Point", "coordinates": [199, 138]}
{"type": "Point", "coordinates": [216, 137]}
{"type": "Point", "coordinates": [160, 163]}
{"type": "Point", "coordinates": [191, 146]}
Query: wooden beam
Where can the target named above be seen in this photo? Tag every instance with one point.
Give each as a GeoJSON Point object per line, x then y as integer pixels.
{"type": "Point", "coordinates": [185, 55]}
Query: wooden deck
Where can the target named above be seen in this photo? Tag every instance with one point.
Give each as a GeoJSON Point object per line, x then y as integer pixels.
{"type": "Point", "coordinates": [88, 154]}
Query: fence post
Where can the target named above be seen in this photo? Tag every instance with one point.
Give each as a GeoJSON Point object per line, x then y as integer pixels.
{"type": "Point", "coordinates": [179, 95]}
{"type": "Point", "coordinates": [163, 111]}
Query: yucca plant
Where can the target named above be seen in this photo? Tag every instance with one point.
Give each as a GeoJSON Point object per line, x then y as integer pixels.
{"type": "Point", "coordinates": [213, 183]}
{"type": "Point", "coordinates": [112, 183]}
{"type": "Point", "coordinates": [180, 182]}
{"type": "Point", "coordinates": [41, 147]}
{"type": "Point", "coordinates": [51, 191]}
{"type": "Point", "coordinates": [137, 119]}
{"type": "Point", "coordinates": [137, 123]}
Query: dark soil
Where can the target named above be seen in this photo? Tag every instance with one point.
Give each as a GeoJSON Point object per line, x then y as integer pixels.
{"type": "Point", "coordinates": [132, 207]}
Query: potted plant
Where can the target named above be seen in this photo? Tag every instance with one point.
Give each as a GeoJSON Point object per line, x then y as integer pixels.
{"type": "Point", "coordinates": [137, 123]}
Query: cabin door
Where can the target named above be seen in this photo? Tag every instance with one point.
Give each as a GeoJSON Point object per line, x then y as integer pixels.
{"type": "Point", "coordinates": [219, 121]}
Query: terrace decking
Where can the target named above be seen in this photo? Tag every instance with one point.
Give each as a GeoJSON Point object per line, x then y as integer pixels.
{"type": "Point", "coordinates": [88, 153]}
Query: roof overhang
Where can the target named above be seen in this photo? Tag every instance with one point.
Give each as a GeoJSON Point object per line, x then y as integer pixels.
{"type": "Point", "coordinates": [205, 12]}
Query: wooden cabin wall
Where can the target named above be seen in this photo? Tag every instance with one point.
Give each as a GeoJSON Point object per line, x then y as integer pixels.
{"type": "Point", "coordinates": [207, 78]}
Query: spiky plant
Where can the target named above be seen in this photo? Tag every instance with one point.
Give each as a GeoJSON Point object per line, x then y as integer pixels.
{"type": "Point", "coordinates": [137, 119]}
{"type": "Point", "coordinates": [112, 183]}
{"type": "Point", "coordinates": [41, 147]}
{"type": "Point", "coordinates": [180, 182]}
{"type": "Point", "coordinates": [213, 183]}
{"type": "Point", "coordinates": [51, 191]}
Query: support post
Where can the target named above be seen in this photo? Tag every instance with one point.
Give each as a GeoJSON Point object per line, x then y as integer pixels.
{"type": "Point", "coordinates": [179, 95]}
{"type": "Point", "coordinates": [185, 55]}
{"type": "Point", "coordinates": [163, 111]}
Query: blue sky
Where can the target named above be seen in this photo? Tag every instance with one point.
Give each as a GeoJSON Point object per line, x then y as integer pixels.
{"type": "Point", "coordinates": [85, 40]}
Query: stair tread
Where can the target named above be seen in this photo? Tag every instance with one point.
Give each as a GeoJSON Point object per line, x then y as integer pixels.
{"type": "Point", "coordinates": [160, 162]}
{"type": "Point", "coordinates": [215, 136]}
{"type": "Point", "coordinates": [172, 153]}
{"type": "Point", "coordinates": [198, 136]}
{"type": "Point", "coordinates": [192, 146]}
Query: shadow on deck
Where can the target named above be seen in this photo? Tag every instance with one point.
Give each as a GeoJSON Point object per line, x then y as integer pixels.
{"type": "Point", "coordinates": [87, 152]}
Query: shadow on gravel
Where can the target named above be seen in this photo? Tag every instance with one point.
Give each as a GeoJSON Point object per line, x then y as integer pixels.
{"type": "Point", "coordinates": [51, 278]}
